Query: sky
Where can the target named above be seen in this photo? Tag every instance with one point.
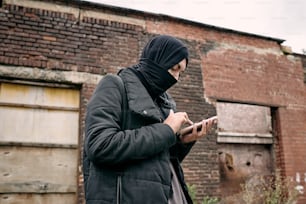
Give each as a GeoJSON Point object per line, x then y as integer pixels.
{"type": "Point", "coordinates": [282, 19]}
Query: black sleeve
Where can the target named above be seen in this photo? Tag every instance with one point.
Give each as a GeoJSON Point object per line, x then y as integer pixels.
{"type": "Point", "coordinates": [180, 150]}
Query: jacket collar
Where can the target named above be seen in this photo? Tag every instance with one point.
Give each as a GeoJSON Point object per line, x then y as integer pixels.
{"type": "Point", "coordinates": [139, 100]}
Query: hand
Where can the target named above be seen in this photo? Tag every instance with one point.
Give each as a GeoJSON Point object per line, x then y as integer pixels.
{"type": "Point", "coordinates": [195, 134]}
{"type": "Point", "coordinates": [176, 120]}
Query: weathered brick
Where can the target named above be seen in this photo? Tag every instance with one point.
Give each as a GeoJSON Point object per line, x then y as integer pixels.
{"type": "Point", "coordinates": [223, 65]}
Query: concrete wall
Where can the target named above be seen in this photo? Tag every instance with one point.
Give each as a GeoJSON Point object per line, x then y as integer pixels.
{"type": "Point", "coordinates": [77, 43]}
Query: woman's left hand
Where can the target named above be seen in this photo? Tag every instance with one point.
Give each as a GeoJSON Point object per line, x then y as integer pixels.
{"type": "Point", "coordinates": [207, 125]}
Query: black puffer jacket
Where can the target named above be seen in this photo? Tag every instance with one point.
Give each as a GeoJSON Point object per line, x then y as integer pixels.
{"type": "Point", "coordinates": [129, 166]}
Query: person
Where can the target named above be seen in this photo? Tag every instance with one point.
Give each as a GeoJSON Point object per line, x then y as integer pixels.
{"type": "Point", "coordinates": [132, 153]}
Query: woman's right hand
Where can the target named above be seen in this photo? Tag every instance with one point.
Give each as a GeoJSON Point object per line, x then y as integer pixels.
{"type": "Point", "coordinates": [176, 120]}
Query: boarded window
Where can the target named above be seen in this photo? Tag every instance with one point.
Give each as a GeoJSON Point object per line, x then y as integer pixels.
{"type": "Point", "coordinates": [38, 144]}
{"type": "Point", "coordinates": [245, 138]}
{"type": "Point", "coordinates": [243, 123]}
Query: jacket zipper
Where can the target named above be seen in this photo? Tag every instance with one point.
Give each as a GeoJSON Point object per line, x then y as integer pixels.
{"type": "Point", "coordinates": [119, 189]}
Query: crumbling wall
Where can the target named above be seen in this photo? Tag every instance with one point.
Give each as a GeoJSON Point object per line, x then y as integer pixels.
{"type": "Point", "coordinates": [77, 43]}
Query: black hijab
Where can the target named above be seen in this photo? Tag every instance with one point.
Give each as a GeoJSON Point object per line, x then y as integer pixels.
{"type": "Point", "coordinates": [160, 54]}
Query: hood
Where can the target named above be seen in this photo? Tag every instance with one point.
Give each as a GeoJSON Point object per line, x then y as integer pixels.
{"type": "Point", "coordinates": [160, 54]}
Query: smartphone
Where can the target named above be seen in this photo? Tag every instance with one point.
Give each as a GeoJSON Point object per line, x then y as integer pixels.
{"type": "Point", "coordinates": [188, 129]}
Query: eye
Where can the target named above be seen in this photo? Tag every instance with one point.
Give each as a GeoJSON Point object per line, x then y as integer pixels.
{"type": "Point", "coordinates": [176, 67]}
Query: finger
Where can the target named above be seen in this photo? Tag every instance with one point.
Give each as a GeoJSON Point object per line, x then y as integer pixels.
{"type": "Point", "coordinates": [203, 129]}
{"type": "Point", "coordinates": [195, 132]}
{"type": "Point", "coordinates": [209, 125]}
{"type": "Point", "coordinates": [214, 120]}
{"type": "Point", "coordinates": [194, 129]}
{"type": "Point", "coordinates": [189, 121]}
{"type": "Point", "coordinates": [171, 112]}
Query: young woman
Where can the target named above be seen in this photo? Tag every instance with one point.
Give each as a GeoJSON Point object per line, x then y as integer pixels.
{"type": "Point", "coordinates": [133, 148]}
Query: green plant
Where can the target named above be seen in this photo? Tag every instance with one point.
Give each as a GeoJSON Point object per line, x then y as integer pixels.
{"type": "Point", "coordinates": [210, 200]}
{"type": "Point", "coordinates": [270, 190]}
{"type": "Point", "coordinates": [206, 200]}
{"type": "Point", "coordinates": [192, 192]}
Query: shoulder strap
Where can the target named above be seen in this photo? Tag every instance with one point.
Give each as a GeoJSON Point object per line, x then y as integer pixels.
{"type": "Point", "coordinates": [124, 105]}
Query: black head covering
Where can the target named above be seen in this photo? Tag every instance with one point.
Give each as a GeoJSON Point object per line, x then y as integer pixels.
{"type": "Point", "coordinates": [160, 54]}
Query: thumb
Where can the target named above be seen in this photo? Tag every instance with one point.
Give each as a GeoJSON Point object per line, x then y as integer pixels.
{"type": "Point", "coordinates": [171, 112]}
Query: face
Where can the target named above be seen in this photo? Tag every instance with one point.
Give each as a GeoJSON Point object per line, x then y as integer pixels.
{"type": "Point", "coordinates": [177, 69]}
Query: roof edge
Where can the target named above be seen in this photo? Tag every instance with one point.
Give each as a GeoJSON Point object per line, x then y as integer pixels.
{"type": "Point", "coordinates": [126, 11]}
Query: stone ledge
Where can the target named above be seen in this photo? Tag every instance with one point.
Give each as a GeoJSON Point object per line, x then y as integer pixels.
{"type": "Point", "coordinates": [29, 73]}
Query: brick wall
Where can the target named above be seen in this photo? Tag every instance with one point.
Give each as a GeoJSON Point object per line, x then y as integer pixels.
{"type": "Point", "coordinates": [265, 77]}
{"type": "Point", "coordinates": [60, 41]}
{"type": "Point", "coordinates": [303, 60]}
{"type": "Point", "coordinates": [224, 65]}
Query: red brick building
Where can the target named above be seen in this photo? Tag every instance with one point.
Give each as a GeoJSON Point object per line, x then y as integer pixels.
{"type": "Point", "coordinates": [53, 53]}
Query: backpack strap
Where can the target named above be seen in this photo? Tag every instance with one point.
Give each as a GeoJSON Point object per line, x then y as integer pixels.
{"type": "Point", "coordinates": [124, 105]}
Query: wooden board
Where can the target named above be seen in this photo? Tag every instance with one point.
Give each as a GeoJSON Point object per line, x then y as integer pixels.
{"type": "Point", "coordinates": [19, 124]}
{"type": "Point", "coordinates": [67, 198]}
{"type": "Point", "coordinates": [39, 131]}
{"type": "Point", "coordinates": [39, 95]}
{"type": "Point", "coordinates": [38, 170]}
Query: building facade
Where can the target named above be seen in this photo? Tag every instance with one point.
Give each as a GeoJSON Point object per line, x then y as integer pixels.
{"type": "Point", "coordinates": [53, 54]}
